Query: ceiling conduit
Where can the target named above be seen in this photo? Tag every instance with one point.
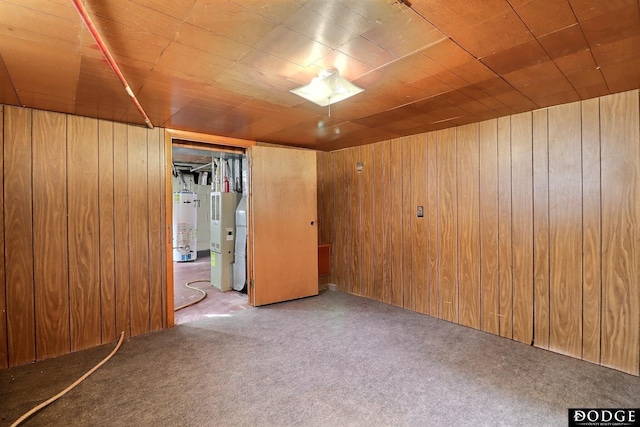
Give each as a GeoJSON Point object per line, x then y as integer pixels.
{"type": "Point", "coordinates": [114, 66]}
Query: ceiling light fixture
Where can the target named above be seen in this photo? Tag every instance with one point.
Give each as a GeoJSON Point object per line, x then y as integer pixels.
{"type": "Point", "coordinates": [328, 88]}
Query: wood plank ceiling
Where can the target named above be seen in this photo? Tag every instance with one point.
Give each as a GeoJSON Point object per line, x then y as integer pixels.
{"type": "Point", "coordinates": [226, 67]}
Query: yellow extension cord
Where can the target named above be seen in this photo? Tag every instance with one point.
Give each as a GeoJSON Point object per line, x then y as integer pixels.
{"type": "Point", "coordinates": [71, 387]}
{"type": "Point", "coordinates": [204, 294]}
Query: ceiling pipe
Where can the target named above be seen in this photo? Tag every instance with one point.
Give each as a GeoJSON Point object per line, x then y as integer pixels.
{"type": "Point", "coordinates": [114, 66]}
{"type": "Point", "coordinates": [210, 164]}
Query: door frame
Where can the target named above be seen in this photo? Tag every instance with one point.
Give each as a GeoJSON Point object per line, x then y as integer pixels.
{"type": "Point", "coordinates": [204, 141]}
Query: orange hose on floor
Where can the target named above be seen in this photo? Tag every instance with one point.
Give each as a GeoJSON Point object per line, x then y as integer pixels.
{"type": "Point", "coordinates": [71, 387]}
{"type": "Point", "coordinates": [204, 294]}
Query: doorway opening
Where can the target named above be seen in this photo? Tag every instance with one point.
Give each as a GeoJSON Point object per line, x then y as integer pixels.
{"type": "Point", "coordinates": [281, 218]}
{"type": "Point", "coordinates": [208, 186]}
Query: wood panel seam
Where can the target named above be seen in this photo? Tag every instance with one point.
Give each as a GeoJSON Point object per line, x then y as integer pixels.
{"type": "Point", "coordinates": [457, 208]}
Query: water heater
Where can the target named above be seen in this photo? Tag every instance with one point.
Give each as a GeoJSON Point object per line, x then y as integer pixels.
{"type": "Point", "coordinates": [185, 226]}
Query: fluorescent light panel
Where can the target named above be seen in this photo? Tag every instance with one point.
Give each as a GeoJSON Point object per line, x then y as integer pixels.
{"type": "Point", "coordinates": [328, 88]}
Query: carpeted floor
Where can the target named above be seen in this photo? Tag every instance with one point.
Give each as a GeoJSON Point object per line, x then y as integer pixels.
{"type": "Point", "coordinates": [332, 360]}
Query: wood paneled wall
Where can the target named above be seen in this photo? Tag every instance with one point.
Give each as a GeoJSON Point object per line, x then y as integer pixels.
{"type": "Point", "coordinates": [81, 229]}
{"type": "Point", "coordinates": [531, 226]}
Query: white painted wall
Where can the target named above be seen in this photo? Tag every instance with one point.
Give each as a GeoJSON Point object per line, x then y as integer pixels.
{"type": "Point", "coordinates": [204, 217]}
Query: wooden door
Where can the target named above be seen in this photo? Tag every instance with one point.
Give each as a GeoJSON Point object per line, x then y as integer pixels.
{"type": "Point", "coordinates": [283, 242]}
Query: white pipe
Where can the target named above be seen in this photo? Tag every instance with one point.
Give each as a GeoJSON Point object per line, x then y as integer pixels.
{"type": "Point", "coordinates": [201, 167]}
